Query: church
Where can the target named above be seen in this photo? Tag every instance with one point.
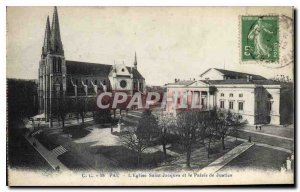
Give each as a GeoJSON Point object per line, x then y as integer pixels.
{"type": "Point", "coordinates": [59, 78]}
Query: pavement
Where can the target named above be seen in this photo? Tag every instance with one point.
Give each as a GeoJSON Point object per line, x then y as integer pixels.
{"type": "Point", "coordinates": [225, 159]}
{"type": "Point", "coordinates": [49, 156]}
{"type": "Point", "coordinates": [282, 132]}
{"type": "Point", "coordinates": [230, 138]}
{"type": "Point", "coordinates": [100, 137]}
{"type": "Point", "coordinates": [267, 134]}
{"type": "Point", "coordinates": [103, 137]}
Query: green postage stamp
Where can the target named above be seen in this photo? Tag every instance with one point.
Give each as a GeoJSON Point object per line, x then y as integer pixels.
{"type": "Point", "coordinates": [259, 39]}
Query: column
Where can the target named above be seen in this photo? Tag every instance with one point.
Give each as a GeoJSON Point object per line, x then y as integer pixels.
{"type": "Point", "coordinates": [208, 97]}
{"type": "Point", "coordinates": [200, 96]}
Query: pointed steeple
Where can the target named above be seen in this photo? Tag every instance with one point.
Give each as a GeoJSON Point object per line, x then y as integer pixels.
{"type": "Point", "coordinates": [55, 40]}
{"type": "Point", "coordinates": [135, 61]}
{"type": "Point", "coordinates": [46, 45]}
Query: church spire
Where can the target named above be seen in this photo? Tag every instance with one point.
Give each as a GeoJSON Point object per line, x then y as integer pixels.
{"type": "Point", "coordinates": [46, 45]}
{"type": "Point", "coordinates": [135, 61]}
{"type": "Point", "coordinates": [55, 40]}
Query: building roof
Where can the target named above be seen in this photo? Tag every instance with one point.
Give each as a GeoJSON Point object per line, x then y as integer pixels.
{"type": "Point", "coordinates": [236, 74]}
{"type": "Point", "coordinates": [95, 69]}
{"type": "Point", "coordinates": [183, 82]}
{"type": "Point", "coordinates": [135, 72]}
{"type": "Point", "coordinates": [240, 74]}
{"type": "Point", "coordinates": [85, 68]}
{"type": "Point", "coordinates": [240, 81]}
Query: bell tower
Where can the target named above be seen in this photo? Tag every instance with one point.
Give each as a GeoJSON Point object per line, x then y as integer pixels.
{"type": "Point", "coordinates": [53, 67]}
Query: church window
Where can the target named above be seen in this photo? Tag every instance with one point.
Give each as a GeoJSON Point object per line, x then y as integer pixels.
{"type": "Point", "coordinates": [54, 65]}
{"type": "Point", "coordinates": [123, 83]}
{"type": "Point", "coordinates": [231, 95]}
{"type": "Point", "coordinates": [123, 69]}
{"type": "Point", "coordinates": [59, 65]}
{"type": "Point", "coordinates": [141, 85]}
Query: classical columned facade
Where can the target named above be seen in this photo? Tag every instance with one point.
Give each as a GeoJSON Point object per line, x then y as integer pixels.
{"type": "Point", "coordinates": [253, 98]}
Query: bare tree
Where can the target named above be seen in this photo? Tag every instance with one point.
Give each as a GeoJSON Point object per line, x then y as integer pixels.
{"type": "Point", "coordinates": [165, 122]}
{"type": "Point", "coordinates": [236, 123]}
{"type": "Point", "coordinates": [147, 126]}
{"type": "Point", "coordinates": [135, 142]}
{"type": "Point", "coordinates": [63, 110]}
{"type": "Point", "coordinates": [223, 125]}
{"type": "Point", "coordinates": [187, 123]}
{"type": "Point", "coordinates": [210, 131]}
{"type": "Point", "coordinates": [81, 108]}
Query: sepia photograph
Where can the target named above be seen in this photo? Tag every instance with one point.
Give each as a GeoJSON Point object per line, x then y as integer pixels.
{"type": "Point", "coordinates": [150, 96]}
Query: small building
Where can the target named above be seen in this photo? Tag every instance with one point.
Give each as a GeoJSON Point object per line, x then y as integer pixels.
{"type": "Point", "coordinates": [255, 98]}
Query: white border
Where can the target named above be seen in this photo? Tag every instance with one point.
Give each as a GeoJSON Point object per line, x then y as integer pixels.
{"type": "Point", "coordinates": [5, 3]}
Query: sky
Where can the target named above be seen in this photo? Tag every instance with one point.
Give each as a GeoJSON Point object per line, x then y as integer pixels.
{"type": "Point", "coordinates": [170, 42]}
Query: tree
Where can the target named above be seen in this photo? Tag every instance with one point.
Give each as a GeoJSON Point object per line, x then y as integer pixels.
{"type": "Point", "coordinates": [187, 123]}
{"type": "Point", "coordinates": [147, 126]}
{"type": "Point", "coordinates": [210, 132]}
{"type": "Point", "coordinates": [63, 110]}
{"type": "Point", "coordinates": [165, 122]}
{"type": "Point", "coordinates": [103, 116]}
{"type": "Point", "coordinates": [81, 108]}
{"type": "Point", "coordinates": [135, 142]}
{"type": "Point", "coordinates": [236, 123]}
{"type": "Point", "coordinates": [224, 121]}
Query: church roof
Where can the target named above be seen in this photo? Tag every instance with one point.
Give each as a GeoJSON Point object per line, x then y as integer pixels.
{"type": "Point", "coordinates": [95, 69]}
{"type": "Point", "coordinates": [135, 72]}
{"type": "Point", "coordinates": [85, 68]}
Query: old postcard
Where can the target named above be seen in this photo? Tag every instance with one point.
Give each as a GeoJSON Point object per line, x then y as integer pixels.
{"type": "Point", "coordinates": [150, 96]}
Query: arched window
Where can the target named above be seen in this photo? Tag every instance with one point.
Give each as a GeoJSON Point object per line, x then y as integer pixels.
{"type": "Point", "coordinates": [54, 64]}
{"type": "Point", "coordinates": [59, 65]}
{"type": "Point", "coordinates": [141, 86]}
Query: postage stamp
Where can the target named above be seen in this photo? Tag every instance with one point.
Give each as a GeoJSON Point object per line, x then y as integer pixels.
{"type": "Point", "coordinates": [259, 38]}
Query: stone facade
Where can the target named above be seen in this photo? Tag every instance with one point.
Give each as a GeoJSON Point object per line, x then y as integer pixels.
{"type": "Point", "coordinates": [59, 78]}
{"type": "Point", "coordinates": [253, 97]}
